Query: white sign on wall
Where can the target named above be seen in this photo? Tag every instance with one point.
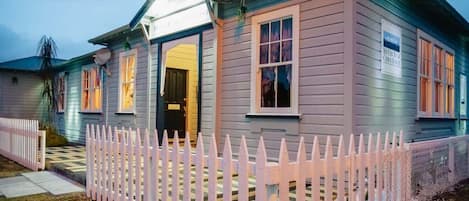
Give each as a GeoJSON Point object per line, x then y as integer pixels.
{"type": "Point", "coordinates": [391, 49]}
{"type": "Point", "coordinates": [463, 95]}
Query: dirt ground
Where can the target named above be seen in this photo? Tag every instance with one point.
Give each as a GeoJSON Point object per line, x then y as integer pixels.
{"type": "Point", "coordinates": [460, 192]}
{"type": "Point", "coordinates": [9, 168]}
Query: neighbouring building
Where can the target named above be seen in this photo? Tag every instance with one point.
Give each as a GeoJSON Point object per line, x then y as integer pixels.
{"type": "Point", "coordinates": [21, 89]}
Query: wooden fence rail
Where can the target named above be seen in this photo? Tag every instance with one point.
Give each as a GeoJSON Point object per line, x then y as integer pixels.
{"type": "Point", "coordinates": [124, 168]}
{"type": "Point", "coordinates": [22, 141]}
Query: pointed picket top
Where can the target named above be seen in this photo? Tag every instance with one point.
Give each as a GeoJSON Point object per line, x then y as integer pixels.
{"type": "Point", "coordinates": [394, 140]}
{"type": "Point", "coordinates": [401, 139]}
{"type": "Point", "coordinates": [200, 146]}
{"type": "Point", "coordinates": [212, 150]}
{"type": "Point", "coordinates": [261, 155]}
{"type": "Point", "coordinates": [165, 139]}
{"type": "Point", "coordinates": [340, 149]}
{"type": "Point", "coordinates": [329, 153]}
{"type": "Point", "coordinates": [92, 132]}
{"type": "Point", "coordinates": [243, 149]}
{"type": "Point", "coordinates": [103, 133]}
{"type": "Point", "coordinates": [98, 133]}
{"type": "Point", "coordinates": [88, 134]}
{"type": "Point", "coordinates": [227, 151]}
{"type": "Point", "coordinates": [301, 155]}
{"type": "Point", "coordinates": [315, 154]}
{"type": "Point", "coordinates": [227, 169]}
{"type": "Point", "coordinates": [176, 140]}
{"type": "Point", "coordinates": [361, 145]}
{"type": "Point", "coordinates": [283, 155]}
{"type": "Point", "coordinates": [386, 141]}
{"type": "Point", "coordinates": [110, 134]}
{"type": "Point", "coordinates": [370, 142]}
{"type": "Point", "coordinates": [378, 142]}
{"type": "Point", "coordinates": [156, 142]}
{"type": "Point", "coordinates": [351, 146]}
{"type": "Point", "coordinates": [187, 144]}
{"type": "Point", "coordinates": [138, 141]}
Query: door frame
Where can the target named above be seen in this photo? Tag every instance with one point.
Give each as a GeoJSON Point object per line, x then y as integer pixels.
{"type": "Point", "coordinates": [160, 117]}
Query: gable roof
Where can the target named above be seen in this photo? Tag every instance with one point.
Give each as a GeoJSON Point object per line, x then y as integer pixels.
{"type": "Point", "coordinates": [27, 64]}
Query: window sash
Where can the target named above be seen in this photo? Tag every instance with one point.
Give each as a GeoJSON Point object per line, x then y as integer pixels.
{"type": "Point", "coordinates": [127, 90]}
{"type": "Point", "coordinates": [436, 78]}
{"type": "Point", "coordinates": [288, 34]}
{"type": "Point", "coordinates": [91, 90]}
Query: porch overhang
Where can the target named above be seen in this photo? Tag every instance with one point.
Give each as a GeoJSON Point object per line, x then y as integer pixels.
{"type": "Point", "coordinates": [165, 17]}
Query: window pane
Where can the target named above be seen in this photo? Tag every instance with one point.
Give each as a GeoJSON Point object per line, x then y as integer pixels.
{"type": "Point", "coordinates": [438, 63]}
{"type": "Point", "coordinates": [264, 54]}
{"type": "Point", "coordinates": [438, 97]}
{"type": "Point", "coordinates": [283, 86]}
{"type": "Point", "coordinates": [130, 68]}
{"type": "Point", "coordinates": [287, 28]}
{"type": "Point", "coordinates": [267, 87]}
{"type": "Point", "coordinates": [275, 52]}
{"type": "Point", "coordinates": [423, 94]}
{"type": "Point", "coordinates": [275, 31]}
{"type": "Point", "coordinates": [265, 33]}
{"type": "Point", "coordinates": [286, 50]}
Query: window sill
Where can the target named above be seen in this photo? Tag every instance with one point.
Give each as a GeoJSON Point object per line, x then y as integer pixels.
{"type": "Point", "coordinates": [274, 115]}
{"type": "Point", "coordinates": [125, 113]}
{"type": "Point", "coordinates": [90, 112]}
{"type": "Point", "coordinates": [435, 117]}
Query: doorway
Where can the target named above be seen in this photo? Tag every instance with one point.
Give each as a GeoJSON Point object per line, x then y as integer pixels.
{"type": "Point", "coordinates": [179, 87]}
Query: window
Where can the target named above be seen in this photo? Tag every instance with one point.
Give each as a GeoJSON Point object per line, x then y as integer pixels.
{"type": "Point", "coordinates": [91, 90]}
{"type": "Point", "coordinates": [436, 78]}
{"type": "Point", "coordinates": [61, 87]}
{"type": "Point", "coordinates": [127, 81]}
{"type": "Point", "coordinates": [274, 77]}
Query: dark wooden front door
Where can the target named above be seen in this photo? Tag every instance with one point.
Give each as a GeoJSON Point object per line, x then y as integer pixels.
{"type": "Point", "coordinates": [175, 96]}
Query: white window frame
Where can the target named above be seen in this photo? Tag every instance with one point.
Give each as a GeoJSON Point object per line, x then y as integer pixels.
{"type": "Point", "coordinates": [434, 43]}
{"type": "Point", "coordinates": [91, 89]}
{"type": "Point", "coordinates": [63, 77]}
{"type": "Point", "coordinates": [256, 21]}
{"type": "Point", "coordinates": [123, 55]}
{"type": "Point", "coordinates": [463, 95]}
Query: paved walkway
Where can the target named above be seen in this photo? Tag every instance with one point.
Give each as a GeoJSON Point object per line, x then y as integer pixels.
{"type": "Point", "coordinates": [35, 183]}
{"type": "Point", "coordinates": [69, 161]}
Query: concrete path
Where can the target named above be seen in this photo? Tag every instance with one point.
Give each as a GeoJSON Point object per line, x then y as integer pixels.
{"type": "Point", "coordinates": [36, 183]}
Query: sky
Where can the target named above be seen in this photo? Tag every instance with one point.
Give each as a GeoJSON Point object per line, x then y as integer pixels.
{"type": "Point", "coordinates": [71, 23]}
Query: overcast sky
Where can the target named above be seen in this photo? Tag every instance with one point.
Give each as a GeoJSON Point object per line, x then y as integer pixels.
{"type": "Point", "coordinates": [72, 22]}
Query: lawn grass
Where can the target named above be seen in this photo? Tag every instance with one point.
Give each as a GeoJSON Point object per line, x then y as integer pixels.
{"type": "Point", "coordinates": [9, 168]}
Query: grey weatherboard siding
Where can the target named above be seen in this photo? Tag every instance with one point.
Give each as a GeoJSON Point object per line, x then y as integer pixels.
{"type": "Point", "coordinates": [321, 84]}
{"type": "Point", "coordinates": [383, 102]}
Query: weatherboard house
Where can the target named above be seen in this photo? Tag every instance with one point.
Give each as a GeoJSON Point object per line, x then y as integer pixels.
{"type": "Point", "coordinates": [277, 69]}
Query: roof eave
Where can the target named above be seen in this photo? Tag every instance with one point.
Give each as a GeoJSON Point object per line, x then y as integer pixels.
{"type": "Point", "coordinates": [140, 14]}
{"type": "Point", "coordinates": [103, 38]}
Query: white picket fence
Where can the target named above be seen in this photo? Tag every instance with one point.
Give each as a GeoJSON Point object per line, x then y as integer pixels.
{"type": "Point", "coordinates": [127, 170]}
{"type": "Point", "coordinates": [22, 141]}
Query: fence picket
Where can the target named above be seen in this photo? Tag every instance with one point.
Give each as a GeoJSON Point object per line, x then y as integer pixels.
{"type": "Point", "coordinates": [394, 167]}
{"type": "Point", "coordinates": [379, 168]}
{"type": "Point", "coordinates": [146, 166]}
{"type": "Point", "coordinates": [261, 171]}
{"type": "Point", "coordinates": [243, 171]}
{"type": "Point", "coordinates": [228, 170]}
{"type": "Point", "coordinates": [301, 178]}
{"type": "Point", "coordinates": [116, 160]}
{"type": "Point", "coordinates": [99, 163]}
{"type": "Point", "coordinates": [88, 161]}
{"type": "Point", "coordinates": [341, 170]}
{"type": "Point", "coordinates": [164, 167]}
{"type": "Point", "coordinates": [138, 166]}
{"type": "Point", "coordinates": [315, 158]}
{"type": "Point", "coordinates": [199, 169]}
{"type": "Point", "coordinates": [155, 159]}
{"type": "Point", "coordinates": [212, 169]}
{"type": "Point", "coordinates": [352, 171]}
{"type": "Point", "coordinates": [371, 168]}
{"type": "Point", "coordinates": [175, 167]}
{"type": "Point", "coordinates": [386, 167]}
{"type": "Point", "coordinates": [361, 169]}
{"type": "Point", "coordinates": [327, 169]}
{"type": "Point", "coordinates": [123, 161]}
{"type": "Point", "coordinates": [284, 165]}
{"type": "Point", "coordinates": [104, 152]}
{"type": "Point", "coordinates": [187, 168]}
{"type": "Point", "coordinates": [130, 161]}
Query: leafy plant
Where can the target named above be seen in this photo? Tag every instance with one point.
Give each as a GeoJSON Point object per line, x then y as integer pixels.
{"type": "Point", "coordinates": [47, 52]}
